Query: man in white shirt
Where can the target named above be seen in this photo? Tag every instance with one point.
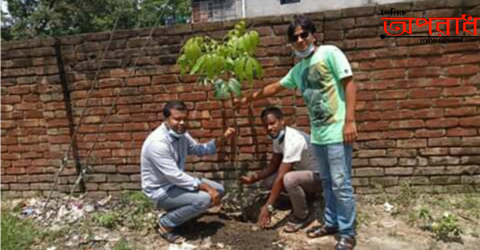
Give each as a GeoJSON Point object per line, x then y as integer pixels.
{"type": "Point", "coordinates": [164, 181]}
{"type": "Point", "coordinates": [291, 151]}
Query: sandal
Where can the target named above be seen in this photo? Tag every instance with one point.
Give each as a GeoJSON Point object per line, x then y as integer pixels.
{"type": "Point", "coordinates": [171, 237]}
{"type": "Point", "coordinates": [321, 231]}
{"type": "Point", "coordinates": [345, 243]}
{"type": "Point", "coordinates": [296, 224]}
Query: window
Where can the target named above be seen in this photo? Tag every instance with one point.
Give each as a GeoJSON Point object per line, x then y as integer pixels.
{"type": "Point", "coordinates": [289, 1]}
{"type": "Point", "coordinates": [210, 10]}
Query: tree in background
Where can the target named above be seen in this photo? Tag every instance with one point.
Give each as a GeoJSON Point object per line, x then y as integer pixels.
{"type": "Point", "coordinates": [43, 18]}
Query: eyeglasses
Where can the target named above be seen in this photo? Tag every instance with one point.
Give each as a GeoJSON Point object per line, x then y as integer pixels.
{"type": "Point", "coordinates": [304, 35]}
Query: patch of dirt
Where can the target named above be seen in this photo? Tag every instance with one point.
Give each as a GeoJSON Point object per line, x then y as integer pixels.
{"type": "Point", "coordinates": [235, 234]}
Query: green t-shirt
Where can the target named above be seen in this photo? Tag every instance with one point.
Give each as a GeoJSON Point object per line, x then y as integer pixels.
{"type": "Point", "coordinates": [319, 80]}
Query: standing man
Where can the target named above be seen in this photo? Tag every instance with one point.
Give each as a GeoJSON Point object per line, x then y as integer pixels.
{"type": "Point", "coordinates": [291, 149]}
{"type": "Point", "coordinates": [324, 77]}
{"type": "Point", "coordinates": [164, 181]}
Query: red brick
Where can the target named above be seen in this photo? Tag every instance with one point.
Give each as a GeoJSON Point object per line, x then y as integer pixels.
{"type": "Point", "coordinates": [460, 91]}
{"type": "Point", "coordinates": [393, 94]}
{"type": "Point", "coordinates": [448, 102]}
{"type": "Point", "coordinates": [366, 95]}
{"type": "Point", "coordinates": [129, 169]}
{"type": "Point", "coordinates": [416, 104]}
{"type": "Point", "coordinates": [364, 116]}
{"type": "Point", "coordinates": [429, 133]}
{"type": "Point", "coordinates": [9, 178]}
{"type": "Point", "coordinates": [463, 70]}
{"type": "Point", "coordinates": [461, 132]}
{"type": "Point", "coordinates": [470, 121]}
{"type": "Point", "coordinates": [433, 151]}
{"type": "Point", "coordinates": [381, 144]}
{"type": "Point", "coordinates": [429, 113]}
{"type": "Point", "coordinates": [383, 162]}
{"type": "Point", "coordinates": [412, 143]}
{"type": "Point", "coordinates": [425, 93]}
{"type": "Point", "coordinates": [138, 81]}
{"type": "Point", "coordinates": [470, 141]}
{"type": "Point", "coordinates": [212, 124]}
{"type": "Point", "coordinates": [407, 124]}
{"type": "Point", "coordinates": [368, 172]}
{"type": "Point", "coordinates": [442, 123]}
{"type": "Point", "coordinates": [463, 111]}
{"type": "Point", "coordinates": [397, 114]}
{"type": "Point", "coordinates": [388, 74]}
{"type": "Point", "coordinates": [193, 97]}
{"type": "Point", "coordinates": [440, 142]}
{"type": "Point", "coordinates": [397, 134]}
{"type": "Point", "coordinates": [444, 82]}
{"type": "Point", "coordinates": [424, 72]}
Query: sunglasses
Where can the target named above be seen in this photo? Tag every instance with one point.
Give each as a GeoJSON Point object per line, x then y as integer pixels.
{"type": "Point", "coordinates": [304, 35]}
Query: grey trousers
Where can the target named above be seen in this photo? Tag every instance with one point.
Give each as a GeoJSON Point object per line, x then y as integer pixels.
{"type": "Point", "coordinates": [298, 184]}
{"type": "Point", "coordinates": [182, 204]}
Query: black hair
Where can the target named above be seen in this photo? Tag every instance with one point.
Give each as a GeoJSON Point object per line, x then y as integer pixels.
{"type": "Point", "coordinates": [178, 105]}
{"type": "Point", "coordinates": [273, 111]}
{"type": "Point", "coordinates": [300, 21]}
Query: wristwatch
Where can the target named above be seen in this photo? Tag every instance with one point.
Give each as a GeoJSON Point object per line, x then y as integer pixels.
{"type": "Point", "coordinates": [270, 208]}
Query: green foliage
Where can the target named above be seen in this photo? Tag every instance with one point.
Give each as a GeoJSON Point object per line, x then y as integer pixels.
{"type": "Point", "coordinates": [140, 211]}
{"type": "Point", "coordinates": [16, 234]}
{"type": "Point", "coordinates": [138, 201]}
{"type": "Point", "coordinates": [224, 64]}
{"type": "Point", "coordinates": [446, 226]}
{"type": "Point", "coordinates": [107, 220]}
{"type": "Point", "coordinates": [443, 227]}
{"type": "Point", "coordinates": [123, 245]}
{"type": "Point", "coordinates": [41, 18]}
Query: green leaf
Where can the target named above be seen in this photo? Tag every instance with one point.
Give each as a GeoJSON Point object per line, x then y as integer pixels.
{"type": "Point", "coordinates": [235, 87]}
{"type": "Point", "coordinates": [198, 65]}
{"type": "Point", "coordinates": [209, 65]}
{"type": "Point", "coordinates": [182, 63]}
{"type": "Point", "coordinates": [249, 67]}
{"type": "Point", "coordinates": [239, 68]}
{"type": "Point", "coordinates": [221, 89]}
{"type": "Point", "coordinates": [229, 64]}
{"type": "Point", "coordinates": [193, 50]}
{"type": "Point", "coordinates": [258, 69]}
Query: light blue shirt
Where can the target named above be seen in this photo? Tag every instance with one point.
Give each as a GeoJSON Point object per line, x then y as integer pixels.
{"type": "Point", "coordinates": [163, 161]}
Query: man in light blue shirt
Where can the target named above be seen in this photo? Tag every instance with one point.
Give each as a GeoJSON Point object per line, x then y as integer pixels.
{"type": "Point", "coordinates": [164, 181]}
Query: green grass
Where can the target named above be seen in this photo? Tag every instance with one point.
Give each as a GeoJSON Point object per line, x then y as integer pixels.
{"type": "Point", "coordinates": [16, 233]}
{"type": "Point", "coordinates": [124, 245]}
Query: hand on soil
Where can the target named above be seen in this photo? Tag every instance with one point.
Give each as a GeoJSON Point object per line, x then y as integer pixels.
{"type": "Point", "coordinates": [264, 218]}
{"type": "Point", "coordinates": [246, 180]}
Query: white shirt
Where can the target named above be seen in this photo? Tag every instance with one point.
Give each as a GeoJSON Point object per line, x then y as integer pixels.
{"type": "Point", "coordinates": [296, 148]}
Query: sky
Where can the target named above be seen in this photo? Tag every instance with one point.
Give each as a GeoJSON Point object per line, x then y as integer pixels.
{"type": "Point", "coordinates": [4, 6]}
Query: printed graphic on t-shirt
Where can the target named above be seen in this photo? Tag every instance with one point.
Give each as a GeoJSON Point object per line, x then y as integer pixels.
{"type": "Point", "coordinates": [319, 94]}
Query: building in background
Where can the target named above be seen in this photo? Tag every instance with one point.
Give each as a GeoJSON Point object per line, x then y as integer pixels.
{"type": "Point", "coordinates": [220, 10]}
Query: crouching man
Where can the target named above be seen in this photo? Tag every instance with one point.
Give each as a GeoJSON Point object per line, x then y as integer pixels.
{"type": "Point", "coordinates": [164, 181]}
{"type": "Point", "coordinates": [291, 151]}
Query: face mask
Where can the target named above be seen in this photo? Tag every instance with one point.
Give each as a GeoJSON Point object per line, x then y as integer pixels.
{"type": "Point", "coordinates": [280, 135]}
{"type": "Point", "coordinates": [175, 134]}
{"type": "Point", "coordinates": [306, 53]}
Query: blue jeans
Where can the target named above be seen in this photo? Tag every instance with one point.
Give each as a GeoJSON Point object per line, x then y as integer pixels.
{"type": "Point", "coordinates": [335, 161]}
{"type": "Point", "coordinates": [182, 205]}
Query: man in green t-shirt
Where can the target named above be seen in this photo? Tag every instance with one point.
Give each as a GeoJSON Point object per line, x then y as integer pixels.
{"type": "Point", "coordinates": [324, 77]}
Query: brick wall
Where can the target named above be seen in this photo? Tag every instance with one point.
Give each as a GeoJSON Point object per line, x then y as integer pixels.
{"type": "Point", "coordinates": [418, 106]}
